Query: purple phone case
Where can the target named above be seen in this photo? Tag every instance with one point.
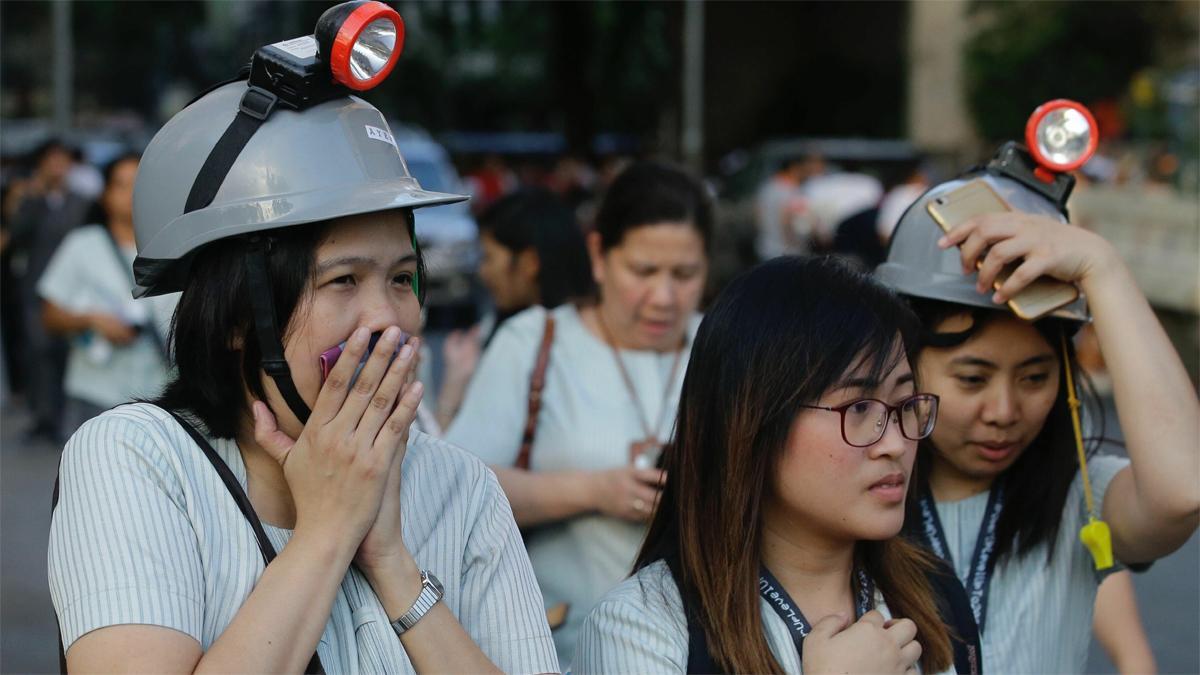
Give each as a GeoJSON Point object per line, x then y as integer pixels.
{"type": "Point", "coordinates": [330, 356]}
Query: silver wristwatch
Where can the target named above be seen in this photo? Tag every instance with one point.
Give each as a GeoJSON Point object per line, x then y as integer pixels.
{"type": "Point", "coordinates": [431, 593]}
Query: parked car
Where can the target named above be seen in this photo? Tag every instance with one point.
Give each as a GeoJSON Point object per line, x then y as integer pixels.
{"type": "Point", "coordinates": [448, 235]}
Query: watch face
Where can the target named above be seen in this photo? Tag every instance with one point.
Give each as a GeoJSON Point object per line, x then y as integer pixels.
{"type": "Point", "coordinates": [435, 582]}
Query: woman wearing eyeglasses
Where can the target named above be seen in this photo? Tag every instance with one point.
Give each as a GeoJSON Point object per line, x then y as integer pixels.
{"type": "Point", "coordinates": [774, 547]}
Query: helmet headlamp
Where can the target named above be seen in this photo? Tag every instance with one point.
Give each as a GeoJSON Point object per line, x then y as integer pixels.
{"type": "Point", "coordinates": [355, 46]}
{"type": "Point", "coordinates": [1061, 135]}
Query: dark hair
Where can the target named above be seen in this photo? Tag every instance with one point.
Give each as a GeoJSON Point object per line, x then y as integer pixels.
{"type": "Point", "coordinates": [213, 337]}
{"type": "Point", "coordinates": [96, 212]}
{"type": "Point", "coordinates": [43, 150]}
{"type": "Point", "coordinates": [1037, 483]}
{"type": "Point", "coordinates": [536, 218]}
{"type": "Point", "coordinates": [647, 193]}
{"type": "Point", "coordinates": [778, 337]}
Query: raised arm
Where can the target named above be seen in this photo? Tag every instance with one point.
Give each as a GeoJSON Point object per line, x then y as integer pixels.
{"type": "Point", "coordinates": [1153, 506]}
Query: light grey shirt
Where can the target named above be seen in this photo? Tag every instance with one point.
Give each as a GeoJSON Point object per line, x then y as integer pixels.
{"type": "Point", "coordinates": [640, 627]}
{"type": "Point", "coordinates": [1039, 613]}
{"type": "Point", "coordinates": [588, 421]}
{"type": "Point", "coordinates": [145, 532]}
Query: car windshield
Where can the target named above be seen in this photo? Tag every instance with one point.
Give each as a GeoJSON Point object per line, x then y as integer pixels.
{"type": "Point", "coordinates": [429, 175]}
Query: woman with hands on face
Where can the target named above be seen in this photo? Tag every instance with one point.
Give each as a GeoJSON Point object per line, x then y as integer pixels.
{"type": "Point", "coordinates": [581, 469]}
{"type": "Point", "coordinates": [271, 511]}
{"type": "Point", "coordinates": [774, 547]}
{"type": "Point", "coordinates": [1002, 467]}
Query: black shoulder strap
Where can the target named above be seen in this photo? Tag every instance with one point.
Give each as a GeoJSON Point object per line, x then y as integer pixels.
{"type": "Point", "coordinates": [700, 660]}
{"type": "Point", "coordinates": [244, 505]}
{"type": "Point", "coordinates": [243, 502]}
{"type": "Point", "coordinates": [232, 485]}
{"type": "Point", "coordinates": [956, 613]}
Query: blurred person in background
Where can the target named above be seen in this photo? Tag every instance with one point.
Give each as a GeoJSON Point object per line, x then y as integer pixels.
{"type": "Point", "coordinates": [533, 254]}
{"type": "Point", "coordinates": [46, 212]}
{"type": "Point", "coordinates": [490, 181]}
{"type": "Point", "coordinates": [571, 406]}
{"type": "Point", "coordinates": [779, 210]}
{"type": "Point", "coordinates": [901, 195]}
{"type": "Point", "coordinates": [117, 343]}
{"type": "Point", "coordinates": [863, 236]}
{"type": "Point", "coordinates": [834, 196]}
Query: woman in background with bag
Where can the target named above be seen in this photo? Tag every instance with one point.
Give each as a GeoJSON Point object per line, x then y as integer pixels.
{"type": "Point", "coordinates": [117, 346]}
{"type": "Point", "coordinates": [572, 406]}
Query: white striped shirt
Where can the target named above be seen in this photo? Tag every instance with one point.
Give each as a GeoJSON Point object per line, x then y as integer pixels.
{"type": "Point", "coordinates": [1039, 613]}
{"type": "Point", "coordinates": [145, 532]}
{"type": "Point", "coordinates": [640, 627]}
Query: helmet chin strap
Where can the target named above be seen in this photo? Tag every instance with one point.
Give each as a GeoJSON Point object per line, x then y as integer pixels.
{"type": "Point", "coordinates": [269, 343]}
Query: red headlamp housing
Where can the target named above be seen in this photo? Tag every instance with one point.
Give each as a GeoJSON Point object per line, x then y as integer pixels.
{"type": "Point", "coordinates": [1061, 135]}
{"type": "Point", "coordinates": [362, 41]}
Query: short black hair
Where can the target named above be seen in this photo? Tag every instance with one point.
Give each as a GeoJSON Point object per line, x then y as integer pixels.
{"type": "Point", "coordinates": [43, 150]}
{"type": "Point", "coordinates": [215, 313]}
{"type": "Point", "coordinates": [535, 218]}
{"type": "Point", "coordinates": [96, 213]}
{"type": "Point", "coordinates": [649, 192]}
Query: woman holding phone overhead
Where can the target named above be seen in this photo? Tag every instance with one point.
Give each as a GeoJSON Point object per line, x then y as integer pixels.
{"type": "Point", "coordinates": [264, 515]}
{"type": "Point", "coordinates": [775, 548]}
{"type": "Point", "coordinates": [571, 406]}
{"type": "Point", "coordinates": [1007, 488]}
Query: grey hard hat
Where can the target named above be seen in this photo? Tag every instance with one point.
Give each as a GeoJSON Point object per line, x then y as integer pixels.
{"type": "Point", "coordinates": [337, 158]}
{"type": "Point", "coordinates": [917, 267]}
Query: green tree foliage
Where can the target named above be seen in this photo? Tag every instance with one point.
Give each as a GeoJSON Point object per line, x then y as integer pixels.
{"type": "Point", "coordinates": [1030, 52]}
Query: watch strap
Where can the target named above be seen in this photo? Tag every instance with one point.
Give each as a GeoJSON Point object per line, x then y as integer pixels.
{"type": "Point", "coordinates": [430, 595]}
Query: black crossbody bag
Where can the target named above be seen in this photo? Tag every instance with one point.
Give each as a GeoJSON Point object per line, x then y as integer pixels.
{"type": "Point", "coordinates": [243, 503]}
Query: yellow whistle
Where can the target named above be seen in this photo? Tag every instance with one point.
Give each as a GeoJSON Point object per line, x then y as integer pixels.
{"type": "Point", "coordinates": [1098, 540]}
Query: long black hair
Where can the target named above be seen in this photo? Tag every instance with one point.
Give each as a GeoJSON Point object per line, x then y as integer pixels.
{"type": "Point", "coordinates": [778, 337]}
{"type": "Point", "coordinates": [534, 218]}
{"type": "Point", "coordinates": [1036, 485]}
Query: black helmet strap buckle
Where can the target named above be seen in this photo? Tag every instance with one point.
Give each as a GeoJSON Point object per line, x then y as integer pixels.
{"type": "Point", "coordinates": [256, 106]}
{"type": "Point", "coordinates": [269, 344]}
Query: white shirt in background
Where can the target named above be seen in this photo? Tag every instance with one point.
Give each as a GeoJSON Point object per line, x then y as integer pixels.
{"type": "Point", "coordinates": [587, 422]}
{"type": "Point", "coordinates": [85, 276]}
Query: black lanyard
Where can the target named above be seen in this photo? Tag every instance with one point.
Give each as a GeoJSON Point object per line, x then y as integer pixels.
{"type": "Point", "coordinates": [773, 592]}
{"type": "Point", "coordinates": [983, 563]}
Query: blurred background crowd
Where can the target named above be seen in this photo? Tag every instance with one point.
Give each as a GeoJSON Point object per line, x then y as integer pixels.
{"type": "Point", "coordinates": [814, 126]}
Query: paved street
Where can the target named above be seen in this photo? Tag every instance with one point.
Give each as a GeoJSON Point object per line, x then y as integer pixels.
{"type": "Point", "coordinates": [1169, 593]}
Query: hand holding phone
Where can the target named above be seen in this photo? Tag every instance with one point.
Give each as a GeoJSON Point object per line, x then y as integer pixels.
{"type": "Point", "coordinates": [1040, 297]}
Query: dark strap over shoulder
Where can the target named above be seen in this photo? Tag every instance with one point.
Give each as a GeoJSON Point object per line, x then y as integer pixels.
{"type": "Point", "coordinates": [700, 660]}
{"type": "Point", "coordinates": [232, 485]}
{"type": "Point", "coordinates": [243, 503]}
{"type": "Point", "coordinates": [537, 382]}
{"type": "Point", "coordinates": [956, 613]}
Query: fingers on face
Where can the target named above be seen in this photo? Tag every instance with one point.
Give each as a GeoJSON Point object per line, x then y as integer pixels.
{"type": "Point", "coordinates": [397, 376]}
{"type": "Point", "coordinates": [396, 427]}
